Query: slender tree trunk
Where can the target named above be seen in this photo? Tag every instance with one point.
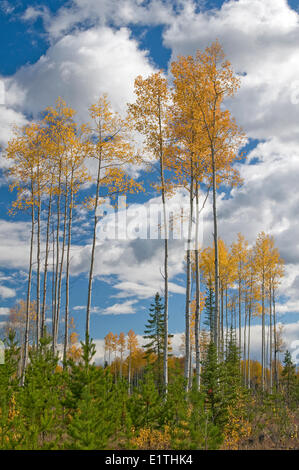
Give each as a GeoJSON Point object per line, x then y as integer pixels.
{"type": "Point", "coordinates": [249, 331]}
{"type": "Point", "coordinates": [188, 289]}
{"type": "Point", "coordinates": [163, 193]}
{"type": "Point", "coordinates": [187, 321]}
{"type": "Point", "coordinates": [240, 320]}
{"type": "Point", "coordinates": [197, 298]}
{"type": "Point", "coordinates": [271, 333]}
{"type": "Point", "coordinates": [66, 319]}
{"type": "Point", "coordinates": [26, 336]}
{"type": "Point", "coordinates": [38, 319]}
{"type": "Point", "coordinates": [244, 341]}
{"type": "Point", "coordinates": [226, 320]}
{"type": "Point", "coordinates": [221, 335]}
{"type": "Point", "coordinates": [92, 251]}
{"type": "Point", "coordinates": [121, 365]}
{"type": "Point", "coordinates": [263, 333]}
{"type": "Point", "coordinates": [43, 317]}
{"type": "Point", "coordinates": [216, 261]}
{"type": "Point", "coordinates": [165, 349]}
{"type": "Point", "coordinates": [190, 368]}
{"type": "Point", "coordinates": [129, 371]}
{"type": "Point", "coordinates": [61, 263]}
{"type": "Point", "coordinates": [55, 326]}
{"type": "Point", "coordinates": [275, 339]}
{"type": "Point", "coordinates": [53, 280]}
{"type": "Point", "coordinates": [267, 355]}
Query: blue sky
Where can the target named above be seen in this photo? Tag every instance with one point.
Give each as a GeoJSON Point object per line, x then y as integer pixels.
{"type": "Point", "coordinates": [80, 49]}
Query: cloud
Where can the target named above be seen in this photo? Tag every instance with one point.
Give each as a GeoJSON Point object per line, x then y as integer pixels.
{"type": "Point", "coordinates": [267, 201]}
{"type": "Point", "coordinates": [88, 56]}
{"type": "Point", "coordinates": [4, 311]}
{"type": "Point", "coordinates": [79, 307]}
{"type": "Point", "coordinates": [115, 309]}
{"type": "Point", "coordinates": [89, 13]}
{"type": "Point", "coordinates": [263, 50]}
{"type": "Point", "coordinates": [80, 67]}
{"type": "Point", "coordinates": [100, 351]}
{"type": "Point", "coordinates": [31, 14]}
{"type": "Point", "coordinates": [8, 119]}
{"type": "Point", "coordinates": [290, 334]}
{"type": "Point", "coordinates": [259, 38]}
{"type": "Point", "coordinates": [83, 308]}
{"type": "Point", "coordinates": [7, 292]}
{"type": "Point", "coordinates": [14, 250]}
{"type": "Point", "coordinates": [135, 264]}
{"type": "Point", "coordinates": [120, 308]}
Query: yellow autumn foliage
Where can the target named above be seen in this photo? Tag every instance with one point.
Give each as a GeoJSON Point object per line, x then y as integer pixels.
{"type": "Point", "coordinates": [151, 439]}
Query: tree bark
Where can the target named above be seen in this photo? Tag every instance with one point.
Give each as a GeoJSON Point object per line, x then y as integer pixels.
{"type": "Point", "coordinates": [26, 336]}
{"type": "Point", "coordinates": [55, 327]}
{"type": "Point", "coordinates": [66, 319]}
{"type": "Point", "coordinates": [263, 332]}
{"type": "Point", "coordinates": [197, 298]}
{"type": "Point", "coordinates": [38, 319]}
{"type": "Point", "coordinates": [271, 333]}
{"type": "Point", "coordinates": [240, 319]}
{"type": "Point", "coordinates": [249, 331]}
{"type": "Point", "coordinates": [188, 289]}
{"type": "Point", "coordinates": [216, 314]}
{"type": "Point", "coordinates": [61, 263]}
{"type": "Point", "coordinates": [275, 339]}
{"type": "Point", "coordinates": [43, 316]}
{"type": "Point", "coordinates": [163, 194]}
{"type": "Point", "coordinates": [87, 325]}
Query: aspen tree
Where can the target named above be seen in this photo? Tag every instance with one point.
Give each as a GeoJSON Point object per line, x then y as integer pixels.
{"type": "Point", "coordinates": [121, 348]}
{"type": "Point", "coordinates": [227, 280]}
{"type": "Point", "coordinates": [239, 251]}
{"type": "Point", "coordinates": [132, 345]}
{"type": "Point", "coordinates": [38, 266]}
{"type": "Point", "coordinates": [276, 272]}
{"type": "Point", "coordinates": [224, 279]}
{"type": "Point", "coordinates": [209, 79]}
{"type": "Point", "coordinates": [23, 152]}
{"type": "Point", "coordinates": [197, 306]}
{"type": "Point", "coordinates": [62, 132]}
{"type": "Point", "coordinates": [187, 160]}
{"type": "Point", "coordinates": [253, 293]}
{"type": "Point", "coordinates": [49, 190]}
{"type": "Point", "coordinates": [114, 348]}
{"type": "Point", "coordinates": [108, 346]}
{"type": "Point", "coordinates": [111, 149]}
{"type": "Point", "coordinates": [74, 351]}
{"type": "Point", "coordinates": [77, 176]}
{"type": "Point", "coordinates": [207, 257]}
{"type": "Point", "coordinates": [149, 115]}
{"type": "Point", "coordinates": [261, 260]}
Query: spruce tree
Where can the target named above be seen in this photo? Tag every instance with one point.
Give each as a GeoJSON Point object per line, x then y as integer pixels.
{"type": "Point", "coordinates": [204, 433]}
{"type": "Point", "coordinates": [210, 309]}
{"type": "Point", "coordinates": [41, 398]}
{"type": "Point", "coordinates": [9, 370]}
{"type": "Point", "coordinates": [232, 376]}
{"type": "Point", "coordinates": [175, 406]}
{"type": "Point", "coordinates": [154, 333]}
{"type": "Point", "coordinates": [289, 381]}
{"type": "Point", "coordinates": [93, 409]}
{"type": "Point", "coordinates": [9, 394]}
{"type": "Point", "coordinates": [145, 404]}
{"type": "Point", "coordinates": [212, 385]}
